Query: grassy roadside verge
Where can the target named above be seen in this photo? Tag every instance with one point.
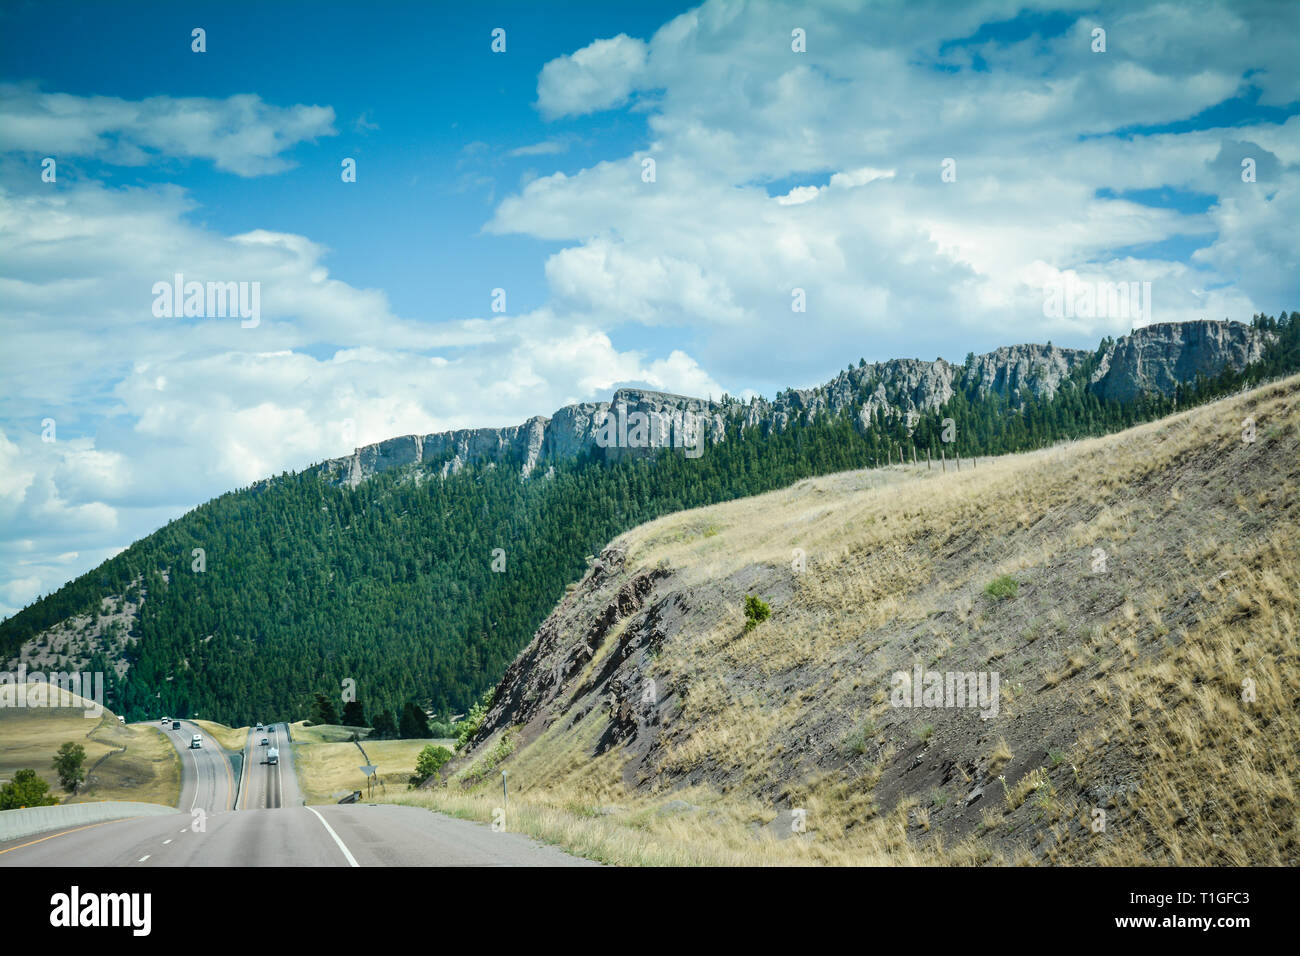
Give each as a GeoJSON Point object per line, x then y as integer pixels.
{"type": "Point", "coordinates": [232, 738]}
{"type": "Point", "coordinates": [676, 832]}
{"type": "Point", "coordinates": [147, 771]}
{"type": "Point", "coordinates": [328, 770]}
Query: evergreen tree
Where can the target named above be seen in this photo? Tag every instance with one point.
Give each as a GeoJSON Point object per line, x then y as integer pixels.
{"type": "Point", "coordinates": [354, 714]}
{"type": "Point", "coordinates": [69, 765]}
{"type": "Point", "coordinates": [414, 722]}
{"type": "Point", "coordinates": [323, 711]}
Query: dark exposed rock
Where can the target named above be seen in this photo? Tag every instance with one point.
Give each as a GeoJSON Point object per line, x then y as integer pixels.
{"type": "Point", "coordinates": [545, 679]}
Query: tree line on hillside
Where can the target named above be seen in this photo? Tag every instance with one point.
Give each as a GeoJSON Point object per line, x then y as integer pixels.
{"type": "Point", "coordinates": [410, 722]}
{"type": "Point", "coordinates": [397, 584]}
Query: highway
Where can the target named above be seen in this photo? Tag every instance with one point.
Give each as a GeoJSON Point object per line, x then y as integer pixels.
{"type": "Point", "coordinates": [207, 781]}
{"type": "Point", "coordinates": [272, 827]}
{"type": "Point", "coordinates": [356, 835]}
{"type": "Point", "coordinates": [269, 786]}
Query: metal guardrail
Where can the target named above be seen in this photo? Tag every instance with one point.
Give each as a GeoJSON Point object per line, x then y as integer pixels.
{"type": "Point", "coordinates": [15, 824]}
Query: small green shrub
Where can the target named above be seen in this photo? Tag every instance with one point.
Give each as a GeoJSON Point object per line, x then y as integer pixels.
{"type": "Point", "coordinates": [856, 743]}
{"type": "Point", "coordinates": [756, 612]}
{"type": "Point", "coordinates": [1001, 588]}
{"type": "Point", "coordinates": [429, 762]}
{"type": "Point", "coordinates": [468, 727]}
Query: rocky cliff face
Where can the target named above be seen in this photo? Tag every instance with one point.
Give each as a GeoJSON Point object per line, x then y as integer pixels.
{"type": "Point", "coordinates": [1158, 357]}
{"type": "Point", "coordinates": [637, 421]}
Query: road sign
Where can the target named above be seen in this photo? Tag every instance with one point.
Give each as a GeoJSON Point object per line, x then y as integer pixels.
{"type": "Point", "coordinates": [369, 771]}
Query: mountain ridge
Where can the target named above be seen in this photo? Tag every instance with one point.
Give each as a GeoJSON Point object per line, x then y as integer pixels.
{"type": "Point", "coordinates": [1156, 357]}
{"type": "Point", "coordinates": [424, 591]}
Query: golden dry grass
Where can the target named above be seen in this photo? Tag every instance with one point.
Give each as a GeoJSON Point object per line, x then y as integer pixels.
{"type": "Point", "coordinates": [1212, 726]}
{"type": "Point", "coordinates": [148, 771]}
{"type": "Point", "coordinates": [327, 769]}
{"type": "Point", "coordinates": [232, 738]}
{"type": "Point", "coordinates": [325, 733]}
{"type": "Point", "coordinates": [123, 762]}
{"type": "Point", "coordinates": [1197, 593]}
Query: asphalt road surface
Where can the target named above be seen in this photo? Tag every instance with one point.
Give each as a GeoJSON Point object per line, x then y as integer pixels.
{"type": "Point", "coordinates": [271, 827]}
{"type": "Point", "coordinates": [268, 786]}
{"type": "Point", "coordinates": [207, 781]}
{"type": "Point", "coordinates": [354, 835]}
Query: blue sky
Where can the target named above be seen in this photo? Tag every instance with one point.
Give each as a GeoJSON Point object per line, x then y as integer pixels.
{"type": "Point", "coordinates": [427, 110]}
{"type": "Point", "coordinates": [777, 169]}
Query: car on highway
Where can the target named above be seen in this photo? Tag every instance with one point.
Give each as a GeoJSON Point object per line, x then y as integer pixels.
{"type": "Point", "coordinates": [259, 727]}
{"type": "Point", "coordinates": [195, 742]}
{"type": "Point", "coordinates": [265, 743]}
{"type": "Point", "coordinates": [166, 720]}
{"type": "Point", "coordinates": [176, 725]}
{"type": "Point", "coordinates": [273, 756]}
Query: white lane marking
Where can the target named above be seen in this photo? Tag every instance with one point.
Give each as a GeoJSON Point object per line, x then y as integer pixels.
{"type": "Point", "coordinates": [352, 861]}
{"type": "Point", "coordinates": [165, 842]}
{"type": "Point", "coordinates": [186, 830]}
{"type": "Point", "coordinates": [143, 858]}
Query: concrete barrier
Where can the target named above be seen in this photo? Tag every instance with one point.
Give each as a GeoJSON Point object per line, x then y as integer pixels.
{"type": "Point", "coordinates": [15, 824]}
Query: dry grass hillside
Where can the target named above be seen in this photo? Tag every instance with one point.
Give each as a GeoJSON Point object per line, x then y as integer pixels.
{"type": "Point", "coordinates": [1136, 596]}
{"type": "Point", "coordinates": [135, 762]}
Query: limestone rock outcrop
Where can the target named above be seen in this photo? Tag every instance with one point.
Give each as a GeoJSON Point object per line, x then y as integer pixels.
{"type": "Point", "coordinates": [638, 421]}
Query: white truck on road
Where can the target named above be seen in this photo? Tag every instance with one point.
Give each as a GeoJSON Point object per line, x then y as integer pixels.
{"type": "Point", "coordinates": [273, 755]}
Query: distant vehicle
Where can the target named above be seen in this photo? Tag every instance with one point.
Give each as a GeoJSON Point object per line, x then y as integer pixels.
{"type": "Point", "coordinates": [176, 725]}
{"type": "Point", "coordinates": [195, 742]}
{"type": "Point", "coordinates": [121, 718]}
{"type": "Point", "coordinates": [264, 742]}
{"type": "Point", "coordinates": [167, 720]}
{"type": "Point", "coordinates": [273, 756]}
{"type": "Point", "coordinates": [259, 727]}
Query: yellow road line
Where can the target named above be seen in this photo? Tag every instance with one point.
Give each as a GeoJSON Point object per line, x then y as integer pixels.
{"type": "Point", "coordinates": [63, 833]}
